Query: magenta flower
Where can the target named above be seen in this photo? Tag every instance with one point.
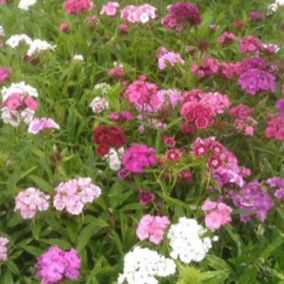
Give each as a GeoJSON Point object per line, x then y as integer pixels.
{"type": "Point", "coordinates": [77, 6]}
{"type": "Point", "coordinates": [152, 228]}
{"type": "Point", "coordinates": [138, 157]}
{"type": "Point", "coordinates": [4, 73]}
{"type": "Point", "coordinates": [146, 197]}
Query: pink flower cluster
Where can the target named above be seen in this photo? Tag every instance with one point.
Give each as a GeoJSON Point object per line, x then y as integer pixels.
{"type": "Point", "coordinates": [3, 248]}
{"type": "Point", "coordinates": [31, 200]}
{"type": "Point", "coordinates": [140, 91]}
{"type": "Point", "coordinates": [250, 44]}
{"type": "Point", "coordinates": [74, 194]}
{"type": "Point", "coordinates": [278, 184]}
{"type": "Point", "coordinates": [146, 197]}
{"type": "Point", "coordinates": [77, 6]}
{"type": "Point", "coordinates": [110, 8]}
{"type": "Point", "coordinates": [275, 128]}
{"type": "Point", "coordinates": [180, 14]}
{"type": "Point", "coordinates": [4, 73]}
{"type": "Point", "coordinates": [138, 157]}
{"type": "Point", "coordinates": [243, 121]}
{"type": "Point", "coordinates": [152, 228]}
{"type": "Point", "coordinates": [56, 264]}
{"type": "Point", "coordinates": [139, 14]}
{"type": "Point", "coordinates": [227, 38]}
{"type": "Point", "coordinates": [39, 124]}
{"type": "Point", "coordinates": [212, 66]}
{"type": "Point", "coordinates": [168, 58]}
{"type": "Point", "coordinates": [218, 214]}
{"type": "Point", "coordinates": [200, 108]}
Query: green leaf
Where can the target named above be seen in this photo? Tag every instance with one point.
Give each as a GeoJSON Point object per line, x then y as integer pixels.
{"type": "Point", "coordinates": [42, 184]}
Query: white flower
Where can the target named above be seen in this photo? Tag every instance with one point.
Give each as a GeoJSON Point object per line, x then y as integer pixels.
{"type": "Point", "coordinates": [26, 4]}
{"type": "Point", "coordinates": [14, 40]}
{"type": "Point", "coordinates": [187, 241]}
{"type": "Point", "coordinates": [38, 45]}
{"type": "Point", "coordinates": [21, 87]}
{"type": "Point", "coordinates": [99, 104]}
{"type": "Point", "coordinates": [142, 265]}
{"type": "Point", "coordinates": [15, 117]}
{"type": "Point", "coordinates": [78, 57]}
{"type": "Point", "coordinates": [274, 6]}
{"type": "Point", "coordinates": [2, 32]}
{"type": "Point", "coordinates": [103, 87]}
{"type": "Point", "coordinates": [114, 158]}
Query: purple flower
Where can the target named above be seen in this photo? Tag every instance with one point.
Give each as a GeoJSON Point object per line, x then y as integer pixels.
{"type": "Point", "coordinates": [255, 16]}
{"type": "Point", "coordinates": [255, 80]}
{"type": "Point", "coordinates": [146, 197]}
{"type": "Point", "coordinates": [252, 197]}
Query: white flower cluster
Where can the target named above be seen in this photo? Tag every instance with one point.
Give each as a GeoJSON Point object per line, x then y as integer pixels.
{"type": "Point", "coordinates": [103, 87]}
{"type": "Point", "coordinates": [26, 4]}
{"type": "Point", "coordinates": [78, 57]}
{"type": "Point", "coordinates": [187, 242]}
{"type": "Point", "coordinates": [99, 104]}
{"type": "Point", "coordinates": [274, 6]}
{"type": "Point", "coordinates": [114, 158]}
{"type": "Point", "coordinates": [35, 46]}
{"type": "Point", "coordinates": [2, 32]}
{"type": "Point", "coordinates": [142, 265]}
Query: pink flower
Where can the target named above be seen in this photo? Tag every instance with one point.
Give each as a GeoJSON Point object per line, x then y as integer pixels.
{"type": "Point", "coordinates": [39, 124]}
{"type": "Point", "coordinates": [31, 103]}
{"type": "Point", "coordinates": [3, 248]}
{"type": "Point", "coordinates": [138, 14]}
{"type": "Point", "coordinates": [110, 9]}
{"type": "Point", "coordinates": [64, 27]}
{"type": "Point", "coordinates": [218, 214]}
{"type": "Point", "coordinates": [4, 73]}
{"type": "Point", "coordinates": [31, 200]}
{"type": "Point", "coordinates": [250, 44]}
{"type": "Point", "coordinates": [14, 101]}
{"type": "Point", "coordinates": [146, 197]}
{"type": "Point", "coordinates": [227, 38]}
{"type": "Point", "coordinates": [152, 228]}
{"type": "Point", "coordinates": [77, 6]}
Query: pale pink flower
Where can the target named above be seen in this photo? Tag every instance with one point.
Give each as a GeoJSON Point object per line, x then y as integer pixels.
{"type": "Point", "coordinates": [39, 124]}
{"type": "Point", "coordinates": [152, 228]}
{"type": "Point", "coordinates": [110, 9]}
{"type": "Point", "coordinates": [3, 247]}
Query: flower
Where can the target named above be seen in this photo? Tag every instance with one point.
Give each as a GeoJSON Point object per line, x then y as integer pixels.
{"type": "Point", "coordinates": [169, 58]}
{"type": "Point", "coordinates": [108, 136]}
{"type": "Point", "coordinates": [217, 214]}
{"type": "Point", "coordinates": [250, 44]}
{"type": "Point", "coordinates": [3, 248]}
{"type": "Point", "coordinates": [26, 4]}
{"type": "Point", "coordinates": [275, 128]}
{"type": "Point", "coordinates": [74, 194]}
{"type": "Point", "coordinates": [31, 200]}
{"type": "Point", "coordinates": [152, 228]}
{"type": "Point", "coordinates": [138, 157]}
{"type": "Point", "coordinates": [146, 197]}
{"type": "Point", "coordinates": [4, 73]}
{"type": "Point", "coordinates": [253, 198]}
{"type": "Point", "coordinates": [14, 40]}
{"type": "Point", "coordinates": [280, 106]}
{"type": "Point", "coordinates": [114, 158]}
{"type": "Point", "coordinates": [255, 16]}
{"type": "Point", "coordinates": [39, 124]}
{"type": "Point", "coordinates": [77, 6]}
{"type": "Point", "coordinates": [64, 27]}
{"type": "Point", "coordinates": [55, 264]}
{"type": "Point", "coordinates": [99, 104]}
{"type": "Point", "coordinates": [227, 38]}
{"type": "Point", "coordinates": [142, 265]}
{"type": "Point", "coordinates": [187, 241]}
{"type": "Point", "coordinates": [110, 8]}
{"type": "Point", "coordinates": [138, 14]}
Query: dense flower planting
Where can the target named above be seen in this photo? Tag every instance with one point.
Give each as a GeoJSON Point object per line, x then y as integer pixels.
{"type": "Point", "coordinates": [141, 142]}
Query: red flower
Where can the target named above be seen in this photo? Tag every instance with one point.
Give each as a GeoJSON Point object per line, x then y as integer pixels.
{"type": "Point", "coordinates": [108, 136]}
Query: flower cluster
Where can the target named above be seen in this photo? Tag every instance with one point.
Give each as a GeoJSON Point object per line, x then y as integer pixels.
{"type": "Point", "coordinates": [114, 158]}
{"type": "Point", "coordinates": [218, 214]}
{"type": "Point", "coordinates": [146, 197]}
{"type": "Point", "coordinates": [31, 200]}
{"type": "Point", "coordinates": [275, 128]}
{"type": "Point", "coordinates": [74, 194]}
{"type": "Point", "coordinates": [142, 265]}
{"type": "Point", "coordinates": [39, 124]}
{"type": "Point", "coordinates": [250, 44]}
{"type": "Point", "coordinates": [254, 198]}
{"type": "Point", "coordinates": [77, 6]}
{"type": "Point", "coordinates": [4, 73]}
{"type": "Point", "coordinates": [181, 13]}
{"type": "Point", "coordinates": [168, 58]}
{"type": "Point", "coordinates": [139, 14]}
{"type": "Point", "coordinates": [227, 38]}
{"type": "Point", "coordinates": [110, 8]}
{"type": "Point", "coordinates": [3, 248]}
{"type": "Point", "coordinates": [56, 264]}
{"type": "Point", "coordinates": [138, 157]}
{"type": "Point", "coordinates": [152, 228]}
{"type": "Point", "coordinates": [200, 108]}
{"type": "Point", "coordinates": [278, 184]}
{"type": "Point", "coordinates": [187, 241]}
{"type": "Point", "coordinates": [99, 104]}
{"type": "Point", "coordinates": [19, 103]}
{"type": "Point", "coordinates": [107, 137]}
{"type": "Point", "coordinates": [26, 4]}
